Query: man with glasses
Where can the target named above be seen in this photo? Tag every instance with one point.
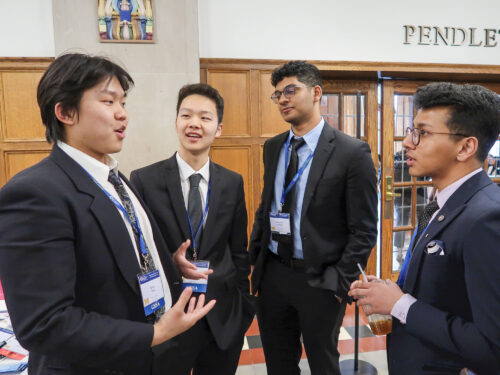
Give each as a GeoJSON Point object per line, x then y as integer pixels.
{"type": "Point", "coordinates": [447, 299]}
{"type": "Point", "coordinates": [316, 220]}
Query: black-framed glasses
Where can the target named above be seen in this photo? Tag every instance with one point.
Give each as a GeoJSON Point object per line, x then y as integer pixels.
{"type": "Point", "coordinates": [288, 91]}
{"type": "Point", "coordinates": [416, 133]}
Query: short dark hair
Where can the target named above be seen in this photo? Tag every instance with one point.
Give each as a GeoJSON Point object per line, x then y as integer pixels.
{"type": "Point", "coordinates": [65, 81]}
{"type": "Point", "coordinates": [474, 110]}
{"type": "Point", "coordinates": [204, 90]}
{"type": "Point", "coordinates": [305, 73]}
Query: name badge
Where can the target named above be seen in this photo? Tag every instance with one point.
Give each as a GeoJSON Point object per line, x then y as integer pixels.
{"type": "Point", "coordinates": [280, 223]}
{"type": "Point", "coordinates": [153, 297]}
{"type": "Point", "coordinates": [200, 285]}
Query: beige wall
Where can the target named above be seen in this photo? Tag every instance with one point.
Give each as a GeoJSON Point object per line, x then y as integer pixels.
{"type": "Point", "coordinates": [158, 69]}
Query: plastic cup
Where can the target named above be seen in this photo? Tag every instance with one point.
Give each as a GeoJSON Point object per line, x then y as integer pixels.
{"type": "Point", "coordinates": [380, 324]}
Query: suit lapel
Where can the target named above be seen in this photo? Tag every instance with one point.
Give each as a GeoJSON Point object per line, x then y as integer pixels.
{"type": "Point", "coordinates": [325, 147]}
{"type": "Point", "coordinates": [107, 216]}
{"type": "Point", "coordinates": [453, 207]}
{"type": "Point", "coordinates": [213, 205]}
{"type": "Point", "coordinates": [172, 181]}
{"type": "Point", "coordinates": [272, 157]}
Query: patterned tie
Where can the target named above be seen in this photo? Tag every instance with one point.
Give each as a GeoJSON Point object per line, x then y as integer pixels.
{"type": "Point", "coordinates": [195, 211]}
{"type": "Point", "coordinates": [147, 263]}
{"type": "Point", "coordinates": [424, 218]}
{"type": "Point", "coordinates": [285, 248]}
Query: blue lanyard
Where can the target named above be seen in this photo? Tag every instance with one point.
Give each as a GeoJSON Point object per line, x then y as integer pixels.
{"type": "Point", "coordinates": [287, 189]}
{"type": "Point", "coordinates": [193, 236]}
{"type": "Point", "coordinates": [142, 243]}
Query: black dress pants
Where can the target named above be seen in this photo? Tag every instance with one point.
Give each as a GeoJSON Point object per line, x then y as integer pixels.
{"type": "Point", "coordinates": [289, 307]}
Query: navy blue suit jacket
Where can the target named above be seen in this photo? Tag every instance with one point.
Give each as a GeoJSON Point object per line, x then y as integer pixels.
{"type": "Point", "coordinates": [455, 322]}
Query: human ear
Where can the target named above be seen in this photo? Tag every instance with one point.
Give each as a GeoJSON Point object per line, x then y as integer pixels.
{"type": "Point", "coordinates": [66, 117]}
{"type": "Point", "coordinates": [468, 148]}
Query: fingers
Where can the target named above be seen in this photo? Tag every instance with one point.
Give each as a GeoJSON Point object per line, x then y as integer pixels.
{"type": "Point", "coordinates": [184, 297]}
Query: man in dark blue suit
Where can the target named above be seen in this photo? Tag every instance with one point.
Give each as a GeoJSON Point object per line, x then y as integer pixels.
{"type": "Point", "coordinates": [447, 304]}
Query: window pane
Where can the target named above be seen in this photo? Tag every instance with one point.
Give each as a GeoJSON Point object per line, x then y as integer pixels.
{"type": "Point", "coordinates": [401, 173]}
{"type": "Point", "coordinates": [329, 106]}
{"type": "Point", "coordinates": [493, 159]}
{"type": "Point", "coordinates": [402, 207]}
{"type": "Point", "coordinates": [400, 244]}
{"type": "Point", "coordinates": [350, 114]}
{"type": "Point", "coordinates": [403, 113]}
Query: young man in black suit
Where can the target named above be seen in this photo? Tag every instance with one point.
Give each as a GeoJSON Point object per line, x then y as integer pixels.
{"type": "Point", "coordinates": [77, 247]}
{"type": "Point", "coordinates": [447, 299]}
{"type": "Point", "coordinates": [316, 220]}
{"type": "Point", "coordinates": [200, 206]}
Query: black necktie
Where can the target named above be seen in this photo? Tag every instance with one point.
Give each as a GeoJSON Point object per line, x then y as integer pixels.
{"type": "Point", "coordinates": [147, 263]}
{"type": "Point", "coordinates": [285, 248]}
{"type": "Point", "coordinates": [195, 211]}
{"type": "Point", "coordinates": [424, 218]}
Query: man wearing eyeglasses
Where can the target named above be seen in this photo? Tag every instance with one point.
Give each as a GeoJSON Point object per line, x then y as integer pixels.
{"type": "Point", "coordinates": [447, 300]}
{"type": "Point", "coordinates": [316, 220]}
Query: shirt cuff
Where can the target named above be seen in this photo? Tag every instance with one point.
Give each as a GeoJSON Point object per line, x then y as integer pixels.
{"type": "Point", "coordinates": [401, 307]}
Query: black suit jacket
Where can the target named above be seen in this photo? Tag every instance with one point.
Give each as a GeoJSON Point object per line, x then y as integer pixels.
{"type": "Point", "coordinates": [339, 211]}
{"type": "Point", "coordinates": [454, 323]}
{"type": "Point", "coordinates": [224, 239]}
{"type": "Point", "coordinates": [69, 272]}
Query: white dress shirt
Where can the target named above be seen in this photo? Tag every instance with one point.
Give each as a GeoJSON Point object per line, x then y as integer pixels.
{"type": "Point", "coordinates": [402, 305]}
{"type": "Point", "coordinates": [100, 173]}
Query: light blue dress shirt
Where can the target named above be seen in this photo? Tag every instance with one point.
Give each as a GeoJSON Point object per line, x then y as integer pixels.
{"type": "Point", "coordinates": [311, 139]}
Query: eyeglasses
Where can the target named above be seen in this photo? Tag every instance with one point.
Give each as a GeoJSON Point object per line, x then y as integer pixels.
{"type": "Point", "coordinates": [288, 91]}
{"type": "Point", "coordinates": [416, 133]}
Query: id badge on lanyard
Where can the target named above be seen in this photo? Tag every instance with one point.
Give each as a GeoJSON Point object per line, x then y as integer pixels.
{"type": "Point", "coordinates": [280, 223]}
{"type": "Point", "coordinates": [200, 285]}
{"type": "Point", "coordinates": [153, 297]}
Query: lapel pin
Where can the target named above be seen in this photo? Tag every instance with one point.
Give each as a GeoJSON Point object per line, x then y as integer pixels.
{"type": "Point", "coordinates": [441, 218]}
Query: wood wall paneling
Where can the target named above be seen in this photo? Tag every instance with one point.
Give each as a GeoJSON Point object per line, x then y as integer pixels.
{"type": "Point", "coordinates": [16, 161]}
{"type": "Point", "coordinates": [22, 134]}
{"type": "Point", "coordinates": [21, 116]}
{"type": "Point", "coordinates": [234, 86]}
{"type": "Point", "coordinates": [237, 159]}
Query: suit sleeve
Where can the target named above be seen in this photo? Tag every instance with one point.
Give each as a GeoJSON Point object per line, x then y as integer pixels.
{"type": "Point", "coordinates": [361, 212]}
{"type": "Point", "coordinates": [136, 182]}
{"type": "Point", "coordinates": [239, 240]}
{"type": "Point", "coordinates": [256, 235]}
{"type": "Point", "coordinates": [38, 269]}
{"type": "Point", "coordinates": [476, 341]}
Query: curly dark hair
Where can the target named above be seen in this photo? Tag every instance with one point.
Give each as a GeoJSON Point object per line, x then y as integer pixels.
{"type": "Point", "coordinates": [65, 81]}
{"type": "Point", "coordinates": [474, 110]}
{"type": "Point", "coordinates": [306, 73]}
{"type": "Point", "coordinates": [204, 90]}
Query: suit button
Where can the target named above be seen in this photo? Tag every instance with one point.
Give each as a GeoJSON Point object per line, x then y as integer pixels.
{"type": "Point", "coordinates": [304, 238]}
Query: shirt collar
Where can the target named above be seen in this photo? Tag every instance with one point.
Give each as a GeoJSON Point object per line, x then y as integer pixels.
{"type": "Point", "coordinates": [447, 192]}
{"type": "Point", "coordinates": [94, 167]}
{"type": "Point", "coordinates": [312, 137]}
{"type": "Point", "coordinates": [186, 170]}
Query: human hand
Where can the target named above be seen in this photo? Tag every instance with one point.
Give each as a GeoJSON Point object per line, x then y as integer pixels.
{"type": "Point", "coordinates": [186, 268]}
{"type": "Point", "coordinates": [176, 320]}
{"type": "Point", "coordinates": [380, 296]}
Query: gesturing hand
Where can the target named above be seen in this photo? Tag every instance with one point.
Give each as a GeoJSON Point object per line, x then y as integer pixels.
{"type": "Point", "coordinates": [186, 268]}
{"type": "Point", "coordinates": [176, 320]}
